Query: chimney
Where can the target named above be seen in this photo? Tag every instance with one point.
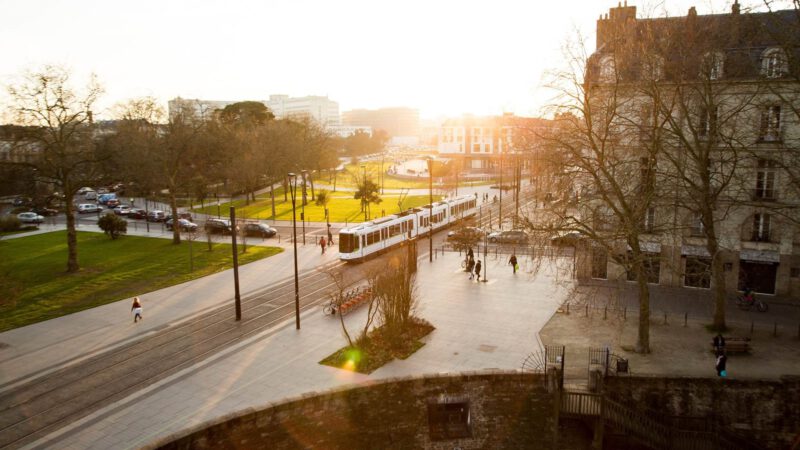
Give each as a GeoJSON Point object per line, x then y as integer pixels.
{"type": "Point", "coordinates": [735, 7]}
{"type": "Point", "coordinates": [692, 12]}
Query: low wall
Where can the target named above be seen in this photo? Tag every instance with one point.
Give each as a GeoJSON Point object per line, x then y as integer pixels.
{"type": "Point", "coordinates": [506, 410]}
{"type": "Point", "coordinates": [767, 412]}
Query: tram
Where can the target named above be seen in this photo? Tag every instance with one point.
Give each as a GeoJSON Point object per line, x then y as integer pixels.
{"type": "Point", "coordinates": [358, 242]}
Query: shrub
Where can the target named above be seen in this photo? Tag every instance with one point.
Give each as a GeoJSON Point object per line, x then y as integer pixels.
{"type": "Point", "coordinates": [10, 223]}
{"type": "Point", "coordinates": [113, 225]}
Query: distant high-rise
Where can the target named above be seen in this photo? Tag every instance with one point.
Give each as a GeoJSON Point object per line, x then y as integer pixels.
{"type": "Point", "coordinates": [397, 122]}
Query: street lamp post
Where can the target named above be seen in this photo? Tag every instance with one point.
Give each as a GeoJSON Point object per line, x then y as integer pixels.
{"type": "Point", "coordinates": [303, 207]}
{"type": "Point", "coordinates": [364, 194]}
{"type": "Point", "coordinates": [293, 191]}
{"type": "Point", "coordinates": [430, 211]}
{"type": "Point", "coordinates": [500, 207]}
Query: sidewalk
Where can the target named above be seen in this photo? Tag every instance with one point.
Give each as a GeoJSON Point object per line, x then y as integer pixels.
{"type": "Point", "coordinates": [478, 326]}
{"type": "Point", "coordinates": [44, 346]}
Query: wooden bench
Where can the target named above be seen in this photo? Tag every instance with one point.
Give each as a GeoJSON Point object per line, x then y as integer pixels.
{"type": "Point", "coordinates": [735, 345]}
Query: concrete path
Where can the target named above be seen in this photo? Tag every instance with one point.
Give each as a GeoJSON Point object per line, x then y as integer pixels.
{"type": "Point", "coordinates": [478, 326]}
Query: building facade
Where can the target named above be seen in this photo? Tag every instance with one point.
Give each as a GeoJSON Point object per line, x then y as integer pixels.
{"type": "Point", "coordinates": [726, 85]}
{"type": "Point", "coordinates": [397, 122]}
{"type": "Point", "coordinates": [321, 109]}
{"type": "Point", "coordinates": [479, 143]}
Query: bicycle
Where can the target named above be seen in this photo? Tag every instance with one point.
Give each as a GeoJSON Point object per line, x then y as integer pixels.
{"type": "Point", "coordinates": [748, 303]}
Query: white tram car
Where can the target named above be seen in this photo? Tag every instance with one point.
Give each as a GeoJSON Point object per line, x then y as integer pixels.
{"type": "Point", "coordinates": [369, 238]}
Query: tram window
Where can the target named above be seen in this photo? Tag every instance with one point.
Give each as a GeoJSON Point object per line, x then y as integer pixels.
{"type": "Point", "coordinates": [394, 230]}
{"type": "Point", "coordinates": [348, 243]}
{"type": "Point", "coordinates": [410, 224]}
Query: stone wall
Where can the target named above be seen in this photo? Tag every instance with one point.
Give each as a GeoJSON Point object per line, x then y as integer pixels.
{"type": "Point", "coordinates": [507, 410]}
{"type": "Point", "coordinates": [766, 411]}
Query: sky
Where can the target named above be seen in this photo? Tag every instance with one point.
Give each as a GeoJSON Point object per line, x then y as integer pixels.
{"type": "Point", "coordinates": [444, 57]}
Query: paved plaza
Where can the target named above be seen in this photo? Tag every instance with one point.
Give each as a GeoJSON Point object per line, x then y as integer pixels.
{"type": "Point", "coordinates": [478, 326]}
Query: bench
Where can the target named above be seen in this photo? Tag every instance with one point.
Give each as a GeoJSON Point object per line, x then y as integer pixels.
{"type": "Point", "coordinates": [735, 345]}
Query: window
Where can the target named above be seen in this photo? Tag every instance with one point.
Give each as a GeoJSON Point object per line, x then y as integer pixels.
{"type": "Point", "coordinates": [649, 219]}
{"type": "Point", "coordinates": [599, 264]}
{"type": "Point", "coordinates": [348, 243]}
{"type": "Point", "coordinates": [773, 63]}
{"type": "Point", "coordinates": [651, 264]}
{"type": "Point", "coordinates": [770, 124]}
{"type": "Point", "coordinates": [761, 228]}
{"type": "Point", "coordinates": [608, 69]}
{"type": "Point", "coordinates": [697, 227]}
{"type": "Point", "coordinates": [765, 180]}
{"type": "Point", "coordinates": [476, 148]}
{"type": "Point", "coordinates": [713, 63]}
{"type": "Point", "coordinates": [708, 122]}
{"type": "Point", "coordinates": [698, 272]}
{"type": "Point", "coordinates": [654, 68]}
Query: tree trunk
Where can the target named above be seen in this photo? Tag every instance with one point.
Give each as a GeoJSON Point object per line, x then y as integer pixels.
{"type": "Point", "coordinates": [305, 196]}
{"type": "Point", "coordinates": [718, 278]}
{"type": "Point", "coordinates": [643, 339]}
{"type": "Point", "coordinates": [72, 235]}
{"type": "Point", "coordinates": [176, 229]}
{"type": "Point", "coordinates": [272, 197]}
{"type": "Point", "coordinates": [311, 180]}
{"type": "Point", "coordinates": [286, 189]}
{"type": "Point", "coordinates": [335, 172]}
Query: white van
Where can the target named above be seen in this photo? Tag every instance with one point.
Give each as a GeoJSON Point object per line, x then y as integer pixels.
{"type": "Point", "coordinates": [90, 195]}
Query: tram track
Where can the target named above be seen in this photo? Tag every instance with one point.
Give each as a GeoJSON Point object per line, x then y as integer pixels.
{"type": "Point", "coordinates": [47, 403]}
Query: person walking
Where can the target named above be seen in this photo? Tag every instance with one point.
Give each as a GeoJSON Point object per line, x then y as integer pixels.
{"type": "Point", "coordinates": [322, 244]}
{"type": "Point", "coordinates": [478, 270]}
{"type": "Point", "coordinates": [136, 309]}
{"type": "Point", "coordinates": [470, 255]}
{"type": "Point", "coordinates": [330, 236]}
{"type": "Point", "coordinates": [471, 267]}
{"type": "Point", "coordinates": [721, 362]}
{"type": "Point", "coordinates": [513, 262]}
{"type": "Point", "coordinates": [719, 344]}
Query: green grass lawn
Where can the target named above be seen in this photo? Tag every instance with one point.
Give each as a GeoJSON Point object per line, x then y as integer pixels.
{"type": "Point", "coordinates": [34, 286]}
{"type": "Point", "coordinates": [345, 179]}
{"type": "Point", "coordinates": [343, 207]}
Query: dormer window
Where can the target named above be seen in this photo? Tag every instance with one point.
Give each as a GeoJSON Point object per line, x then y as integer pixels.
{"type": "Point", "coordinates": [774, 63]}
{"type": "Point", "coordinates": [608, 68]}
{"type": "Point", "coordinates": [713, 64]}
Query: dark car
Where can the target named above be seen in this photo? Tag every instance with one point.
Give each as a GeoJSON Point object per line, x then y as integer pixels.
{"type": "Point", "coordinates": [112, 203]}
{"type": "Point", "coordinates": [137, 213]}
{"type": "Point", "coordinates": [509, 237]}
{"type": "Point", "coordinates": [217, 226]}
{"type": "Point", "coordinates": [183, 215]}
{"type": "Point", "coordinates": [184, 224]}
{"type": "Point", "coordinates": [45, 211]}
{"type": "Point", "coordinates": [465, 234]}
{"type": "Point", "coordinates": [259, 229]}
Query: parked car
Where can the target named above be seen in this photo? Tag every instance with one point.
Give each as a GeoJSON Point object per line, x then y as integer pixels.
{"type": "Point", "coordinates": [85, 208]}
{"type": "Point", "coordinates": [30, 217]}
{"type": "Point", "coordinates": [509, 237]}
{"type": "Point", "coordinates": [122, 210]}
{"type": "Point", "coordinates": [184, 224]}
{"type": "Point", "coordinates": [112, 203]}
{"type": "Point", "coordinates": [103, 199]}
{"type": "Point", "coordinates": [465, 234]}
{"type": "Point", "coordinates": [156, 215]}
{"type": "Point", "coordinates": [102, 190]}
{"type": "Point", "coordinates": [137, 213]}
{"type": "Point", "coordinates": [259, 229]}
{"type": "Point", "coordinates": [22, 201]}
{"type": "Point", "coordinates": [217, 226]}
{"type": "Point", "coordinates": [183, 215]}
{"type": "Point", "coordinates": [45, 211]}
{"type": "Point", "coordinates": [84, 190]}
{"type": "Point", "coordinates": [90, 195]}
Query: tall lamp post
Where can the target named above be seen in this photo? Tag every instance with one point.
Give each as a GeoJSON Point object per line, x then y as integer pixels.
{"type": "Point", "coordinates": [303, 203]}
{"type": "Point", "coordinates": [293, 191]}
{"type": "Point", "coordinates": [500, 207]}
{"type": "Point", "coordinates": [430, 211]}
{"type": "Point", "coordinates": [364, 194]}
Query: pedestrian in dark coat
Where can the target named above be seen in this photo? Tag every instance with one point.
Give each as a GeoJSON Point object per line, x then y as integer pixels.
{"type": "Point", "coordinates": [471, 267]}
{"type": "Point", "coordinates": [470, 255]}
{"type": "Point", "coordinates": [513, 262]}
{"type": "Point", "coordinates": [478, 270]}
{"type": "Point", "coordinates": [721, 362]}
{"type": "Point", "coordinates": [719, 344]}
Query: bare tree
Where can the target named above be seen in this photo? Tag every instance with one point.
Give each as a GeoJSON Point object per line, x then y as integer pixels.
{"type": "Point", "coordinates": [59, 136]}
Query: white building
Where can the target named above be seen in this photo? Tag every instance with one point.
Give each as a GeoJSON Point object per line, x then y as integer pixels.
{"type": "Point", "coordinates": [348, 130]}
{"type": "Point", "coordinates": [323, 110]}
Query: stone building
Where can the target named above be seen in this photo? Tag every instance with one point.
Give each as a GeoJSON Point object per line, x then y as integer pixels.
{"type": "Point", "coordinates": [727, 86]}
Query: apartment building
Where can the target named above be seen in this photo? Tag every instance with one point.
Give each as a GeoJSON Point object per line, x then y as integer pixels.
{"type": "Point", "coordinates": [724, 84]}
{"type": "Point", "coordinates": [321, 109]}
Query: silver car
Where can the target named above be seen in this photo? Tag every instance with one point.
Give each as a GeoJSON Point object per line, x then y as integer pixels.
{"type": "Point", "coordinates": [30, 217]}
